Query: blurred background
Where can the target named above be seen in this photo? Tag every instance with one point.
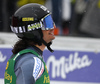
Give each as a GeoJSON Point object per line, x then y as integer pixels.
{"type": "Point", "coordinates": [76, 59]}
{"type": "Point", "coordinates": [72, 17]}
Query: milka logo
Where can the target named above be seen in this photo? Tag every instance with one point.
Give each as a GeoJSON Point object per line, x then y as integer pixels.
{"type": "Point", "coordinates": [65, 65]}
{"type": "Point", "coordinates": [2, 58]}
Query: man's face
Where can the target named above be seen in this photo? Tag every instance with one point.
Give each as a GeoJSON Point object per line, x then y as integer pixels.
{"type": "Point", "coordinates": [48, 35]}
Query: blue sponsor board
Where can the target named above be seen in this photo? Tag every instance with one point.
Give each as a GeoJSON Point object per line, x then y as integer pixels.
{"type": "Point", "coordinates": [75, 66]}
{"type": "Point", "coordinates": [5, 54]}
{"type": "Point", "coordinates": [65, 65]}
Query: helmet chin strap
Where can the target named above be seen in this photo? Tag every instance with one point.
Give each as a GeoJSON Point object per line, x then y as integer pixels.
{"type": "Point", "coordinates": [44, 42]}
{"type": "Point", "coordinates": [48, 45]}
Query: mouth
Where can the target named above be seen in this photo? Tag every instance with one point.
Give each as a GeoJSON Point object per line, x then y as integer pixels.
{"type": "Point", "coordinates": [51, 33]}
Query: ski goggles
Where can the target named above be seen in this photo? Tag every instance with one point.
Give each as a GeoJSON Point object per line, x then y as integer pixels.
{"type": "Point", "coordinates": [47, 23]}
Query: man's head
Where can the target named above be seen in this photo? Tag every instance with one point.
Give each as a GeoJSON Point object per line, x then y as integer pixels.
{"type": "Point", "coordinates": [33, 22]}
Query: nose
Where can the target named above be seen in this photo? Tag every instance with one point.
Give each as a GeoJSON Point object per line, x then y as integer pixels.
{"type": "Point", "coordinates": [55, 27]}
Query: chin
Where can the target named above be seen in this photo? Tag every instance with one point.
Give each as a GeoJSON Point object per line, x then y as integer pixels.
{"type": "Point", "coordinates": [52, 38]}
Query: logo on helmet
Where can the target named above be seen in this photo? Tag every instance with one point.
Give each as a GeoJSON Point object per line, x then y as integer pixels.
{"type": "Point", "coordinates": [27, 19]}
{"type": "Point", "coordinates": [30, 27]}
{"type": "Point", "coordinates": [45, 9]}
{"type": "Point", "coordinates": [34, 26]}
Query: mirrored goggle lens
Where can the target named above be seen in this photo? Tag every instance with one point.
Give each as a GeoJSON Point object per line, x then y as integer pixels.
{"type": "Point", "coordinates": [48, 22]}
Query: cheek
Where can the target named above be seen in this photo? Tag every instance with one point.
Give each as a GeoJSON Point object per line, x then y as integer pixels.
{"type": "Point", "coordinates": [46, 37]}
{"type": "Point", "coordinates": [45, 34]}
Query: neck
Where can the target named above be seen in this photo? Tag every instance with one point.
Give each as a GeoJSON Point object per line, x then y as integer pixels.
{"type": "Point", "coordinates": [42, 47]}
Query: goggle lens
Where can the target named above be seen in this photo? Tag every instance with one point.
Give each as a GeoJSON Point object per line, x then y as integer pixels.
{"type": "Point", "coordinates": [48, 22]}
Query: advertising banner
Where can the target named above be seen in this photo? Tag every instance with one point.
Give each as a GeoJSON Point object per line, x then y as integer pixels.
{"type": "Point", "coordinates": [65, 65]}
{"type": "Point", "coordinates": [5, 54]}
{"type": "Point", "coordinates": [74, 66]}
